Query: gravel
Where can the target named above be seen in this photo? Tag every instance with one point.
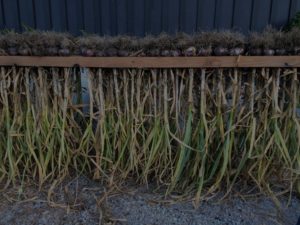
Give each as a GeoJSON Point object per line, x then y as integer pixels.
{"type": "Point", "coordinates": [83, 201]}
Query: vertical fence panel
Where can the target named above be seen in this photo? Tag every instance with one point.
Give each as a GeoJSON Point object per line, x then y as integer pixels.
{"type": "Point", "coordinates": [279, 13]}
{"type": "Point", "coordinates": [130, 17]}
{"type": "Point", "coordinates": [224, 14]}
{"type": "Point", "coordinates": [11, 15]}
{"type": "Point", "coordinates": [165, 17]}
{"type": "Point", "coordinates": [122, 17]}
{"type": "Point", "coordinates": [261, 14]}
{"type": "Point", "coordinates": [26, 14]}
{"type": "Point", "coordinates": [242, 15]}
{"type": "Point", "coordinates": [105, 17]}
{"type": "Point", "coordinates": [153, 24]}
{"type": "Point", "coordinates": [75, 16]}
{"type": "Point", "coordinates": [58, 15]}
{"type": "Point", "coordinates": [188, 16]}
{"type": "Point", "coordinates": [171, 16]}
{"type": "Point", "coordinates": [155, 17]}
{"type": "Point", "coordinates": [98, 23]}
{"type": "Point", "coordinates": [294, 8]}
{"type": "Point", "coordinates": [139, 17]}
{"type": "Point", "coordinates": [89, 16]}
{"type": "Point", "coordinates": [148, 5]}
{"type": "Point", "coordinates": [206, 14]}
{"type": "Point", "coordinates": [42, 12]}
{"type": "Point", "coordinates": [2, 20]}
{"type": "Point", "coordinates": [113, 16]}
{"type": "Point", "coordinates": [109, 17]}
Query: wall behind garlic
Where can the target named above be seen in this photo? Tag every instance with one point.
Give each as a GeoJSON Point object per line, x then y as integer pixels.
{"type": "Point", "coordinates": [141, 17]}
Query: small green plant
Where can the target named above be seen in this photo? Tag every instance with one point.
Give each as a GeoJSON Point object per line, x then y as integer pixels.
{"type": "Point", "coordinates": [295, 22]}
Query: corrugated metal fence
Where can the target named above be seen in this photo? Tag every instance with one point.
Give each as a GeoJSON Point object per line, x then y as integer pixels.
{"type": "Point", "coordinates": [142, 17]}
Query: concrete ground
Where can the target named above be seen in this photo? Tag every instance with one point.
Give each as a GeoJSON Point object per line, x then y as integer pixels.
{"type": "Point", "coordinates": [83, 201]}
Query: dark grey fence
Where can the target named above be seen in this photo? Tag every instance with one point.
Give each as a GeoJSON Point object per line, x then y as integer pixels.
{"type": "Point", "coordinates": [141, 17]}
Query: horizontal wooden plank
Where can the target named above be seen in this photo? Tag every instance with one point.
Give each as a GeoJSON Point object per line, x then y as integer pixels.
{"type": "Point", "coordinates": [153, 62]}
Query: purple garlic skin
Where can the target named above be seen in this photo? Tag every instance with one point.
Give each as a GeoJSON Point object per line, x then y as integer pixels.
{"type": "Point", "coordinates": [52, 51]}
{"type": "Point", "coordinates": [255, 51]}
{"type": "Point", "coordinates": [154, 52]}
{"type": "Point", "coordinates": [190, 51]}
{"type": "Point", "coordinates": [220, 51]}
{"type": "Point", "coordinates": [12, 51]}
{"type": "Point", "coordinates": [165, 53]}
{"type": "Point", "coordinates": [87, 52]}
{"type": "Point", "coordinates": [236, 51]}
{"type": "Point", "coordinates": [83, 51]}
{"type": "Point", "coordinates": [204, 52]}
{"type": "Point", "coordinates": [175, 53]}
{"type": "Point", "coordinates": [24, 51]}
{"type": "Point", "coordinates": [123, 53]}
{"type": "Point", "coordinates": [269, 52]}
{"type": "Point", "coordinates": [100, 53]}
{"type": "Point", "coordinates": [281, 51]}
{"type": "Point", "coordinates": [110, 52]}
{"type": "Point", "coordinates": [64, 52]}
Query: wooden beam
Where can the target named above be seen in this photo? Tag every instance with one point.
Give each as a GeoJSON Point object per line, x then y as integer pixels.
{"type": "Point", "coordinates": [153, 62]}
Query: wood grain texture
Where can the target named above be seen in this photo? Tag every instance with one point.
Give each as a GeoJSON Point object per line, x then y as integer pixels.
{"type": "Point", "coordinates": [153, 62]}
